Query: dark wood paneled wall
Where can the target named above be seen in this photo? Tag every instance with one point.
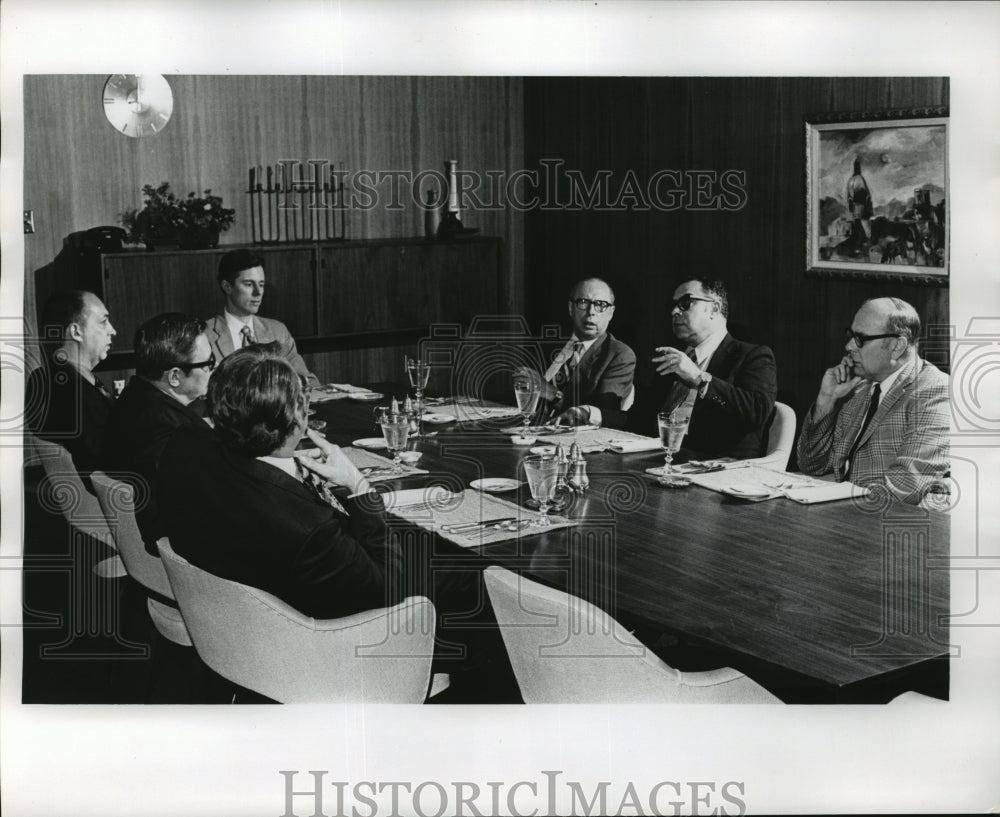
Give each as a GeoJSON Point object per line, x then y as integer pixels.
{"type": "Point", "coordinates": [754, 125]}
{"type": "Point", "coordinates": [80, 173]}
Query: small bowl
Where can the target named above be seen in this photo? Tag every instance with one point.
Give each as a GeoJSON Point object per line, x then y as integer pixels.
{"type": "Point", "coordinates": [517, 439]}
{"type": "Point", "coordinates": [410, 457]}
{"type": "Point", "coordinates": [544, 450]}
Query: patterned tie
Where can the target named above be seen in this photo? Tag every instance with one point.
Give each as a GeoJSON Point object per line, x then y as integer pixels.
{"type": "Point", "coordinates": [872, 408]}
{"type": "Point", "coordinates": [247, 333]}
{"type": "Point", "coordinates": [566, 372]}
{"type": "Point", "coordinates": [102, 388]}
{"type": "Point", "coordinates": [319, 488]}
{"type": "Point", "coordinates": [680, 392]}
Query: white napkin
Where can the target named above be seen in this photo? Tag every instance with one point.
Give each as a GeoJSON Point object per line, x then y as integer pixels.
{"type": "Point", "coordinates": [411, 496]}
{"type": "Point", "coordinates": [633, 446]}
{"type": "Point", "coordinates": [825, 492]}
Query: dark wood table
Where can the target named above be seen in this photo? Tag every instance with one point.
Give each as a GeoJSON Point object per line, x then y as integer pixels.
{"type": "Point", "coordinates": [827, 602]}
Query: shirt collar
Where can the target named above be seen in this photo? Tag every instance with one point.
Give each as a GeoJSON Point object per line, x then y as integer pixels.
{"type": "Point", "coordinates": [886, 384]}
{"type": "Point", "coordinates": [703, 351]}
{"type": "Point", "coordinates": [236, 324]}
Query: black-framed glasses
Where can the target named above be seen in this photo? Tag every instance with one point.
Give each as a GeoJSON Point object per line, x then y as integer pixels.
{"type": "Point", "coordinates": [860, 339]}
{"type": "Point", "coordinates": [203, 364]}
{"type": "Point", "coordinates": [684, 302]}
{"type": "Point", "coordinates": [584, 303]}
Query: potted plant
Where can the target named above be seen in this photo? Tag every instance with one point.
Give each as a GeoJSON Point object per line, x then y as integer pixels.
{"type": "Point", "coordinates": [166, 220]}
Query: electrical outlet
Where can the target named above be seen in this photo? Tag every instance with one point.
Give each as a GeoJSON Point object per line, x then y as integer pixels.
{"type": "Point", "coordinates": [29, 221]}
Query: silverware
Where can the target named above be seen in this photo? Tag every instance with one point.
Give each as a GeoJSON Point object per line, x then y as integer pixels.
{"type": "Point", "coordinates": [470, 526]}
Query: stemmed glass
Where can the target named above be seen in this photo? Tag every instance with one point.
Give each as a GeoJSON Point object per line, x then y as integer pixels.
{"type": "Point", "coordinates": [418, 372]}
{"type": "Point", "coordinates": [526, 392]}
{"type": "Point", "coordinates": [395, 428]}
{"type": "Point", "coordinates": [673, 426]}
{"type": "Point", "coordinates": [542, 474]}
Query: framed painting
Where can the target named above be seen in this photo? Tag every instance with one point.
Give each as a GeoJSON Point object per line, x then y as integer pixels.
{"type": "Point", "coordinates": [876, 195]}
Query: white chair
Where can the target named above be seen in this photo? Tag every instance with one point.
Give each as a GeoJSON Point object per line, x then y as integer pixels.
{"type": "Point", "coordinates": [257, 641]}
{"type": "Point", "coordinates": [565, 650]}
{"type": "Point", "coordinates": [63, 490]}
{"type": "Point", "coordinates": [117, 501]}
{"type": "Point", "coordinates": [779, 439]}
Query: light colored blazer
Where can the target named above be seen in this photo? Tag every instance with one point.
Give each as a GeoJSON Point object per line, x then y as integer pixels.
{"type": "Point", "coordinates": [905, 447]}
{"type": "Point", "coordinates": [265, 330]}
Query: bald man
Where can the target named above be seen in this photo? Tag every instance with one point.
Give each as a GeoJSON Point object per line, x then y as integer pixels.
{"type": "Point", "coordinates": [881, 415]}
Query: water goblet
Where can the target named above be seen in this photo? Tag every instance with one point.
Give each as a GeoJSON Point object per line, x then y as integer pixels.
{"type": "Point", "coordinates": [419, 372]}
{"type": "Point", "coordinates": [526, 393]}
{"type": "Point", "coordinates": [542, 473]}
{"type": "Point", "coordinates": [395, 428]}
{"type": "Point", "coordinates": [673, 425]}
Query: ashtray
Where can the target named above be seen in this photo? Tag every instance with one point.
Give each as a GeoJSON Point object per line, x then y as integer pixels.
{"type": "Point", "coordinates": [410, 457]}
{"type": "Point", "coordinates": [674, 481]}
{"type": "Point", "coordinates": [517, 439]}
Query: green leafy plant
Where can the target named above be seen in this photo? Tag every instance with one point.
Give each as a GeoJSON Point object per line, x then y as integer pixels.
{"type": "Point", "coordinates": [164, 214]}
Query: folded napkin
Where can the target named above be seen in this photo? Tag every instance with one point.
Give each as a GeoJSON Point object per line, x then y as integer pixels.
{"type": "Point", "coordinates": [347, 388]}
{"type": "Point", "coordinates": [632, 446]}
{"type": "Point", "coordinates": [825, 492]}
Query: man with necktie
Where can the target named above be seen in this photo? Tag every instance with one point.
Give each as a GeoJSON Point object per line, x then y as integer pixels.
{"type": "Point", "coordinates": [590, 378]}
{"type": "Point", "coordinates": [64, 401]}
{"type": "Point", "coordinates": [242, 280]}
{"type": "Point", "coordinates": [729, 385]}
{"type": "Point", "coordinates": [881, 417]}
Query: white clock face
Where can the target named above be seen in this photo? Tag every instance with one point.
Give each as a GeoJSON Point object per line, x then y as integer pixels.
{"type": "Point", "coordinates": [138, 104]}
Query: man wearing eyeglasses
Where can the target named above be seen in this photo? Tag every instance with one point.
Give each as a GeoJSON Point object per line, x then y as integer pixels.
{"type": "Point", "coordinates": [728, 384]}
{"type": "Point", "coordinates": [242, 280]}
{"type": "Point", "coordinates": [881, 415]}
{"type": "Point", "coordinates": [590, 378]}
{"type": "Point", "coordinates": [174, 362]}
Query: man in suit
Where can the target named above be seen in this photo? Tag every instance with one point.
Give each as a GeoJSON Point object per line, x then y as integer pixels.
{"type": "Point", "coordinates": [881, 415]}
{"type": "Point", "coordinates": [173, 362]}
{"type": "Point", "coordinates": [241, 279]}
{"type": "Point", "coordinates": [305, 526]}
{"type": "Point", "coordinates": [728, 385]}
{"type": "Point", "coordinates": [590, 378]}
{"type": "Point", "coordinates": [64, 401]}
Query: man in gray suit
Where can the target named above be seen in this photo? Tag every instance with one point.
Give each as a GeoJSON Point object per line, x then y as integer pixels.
{"type": "Point", "coordinates": [241, 279]}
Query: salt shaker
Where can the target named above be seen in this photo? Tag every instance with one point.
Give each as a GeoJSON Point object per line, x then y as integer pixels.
{"type": "Point", "coordinates": [578, 469]}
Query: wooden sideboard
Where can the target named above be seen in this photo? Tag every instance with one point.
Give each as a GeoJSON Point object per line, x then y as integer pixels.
{"type": "Point", "coordinates": [329, 295]}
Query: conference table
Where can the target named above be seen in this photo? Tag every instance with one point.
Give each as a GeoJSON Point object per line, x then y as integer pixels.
{"type": "Point", "coordinates": [843, 601]}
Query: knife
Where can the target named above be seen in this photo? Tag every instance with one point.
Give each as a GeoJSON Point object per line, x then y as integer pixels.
{"type": "Point", "coordinates": [470, 526]}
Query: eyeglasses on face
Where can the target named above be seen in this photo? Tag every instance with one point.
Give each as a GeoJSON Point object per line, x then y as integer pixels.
{"type": "Point", "coordinates": [584, 303]}
{"type": "Point", "coordinates": [203, 364]}
{"type": "Point", "coordinates": [684, 302]}
{"type": "Point", "coordinates": [860, 340]}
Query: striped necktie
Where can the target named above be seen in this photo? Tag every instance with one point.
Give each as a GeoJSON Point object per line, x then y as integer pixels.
{"type": "Point", "coordinates": [566, 372]}
{"type": "Point", "coordinates": [319, 488]}
{"type": "Point", "coordinates": [679, 391]}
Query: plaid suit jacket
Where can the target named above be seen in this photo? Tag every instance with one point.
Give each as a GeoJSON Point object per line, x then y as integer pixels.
{"type": "Point", "coordinates": [265, 330]}
{"type": "Point", "coordinates": [905, 447]}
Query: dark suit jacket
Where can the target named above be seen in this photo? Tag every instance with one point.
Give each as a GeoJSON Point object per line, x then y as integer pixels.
{"type": "Point", "coordinates": [602, 378]}
{"type": "Point", "coordinates": [730, 420]}
{"type": "Point", "coordinates": [249, 522]}
{"type": "Point", "coordinates": [62, 407]}
{"type": "Point", "coordinates": [141, 423]}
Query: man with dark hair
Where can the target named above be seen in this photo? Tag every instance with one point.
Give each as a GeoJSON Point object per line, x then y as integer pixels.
{"type": "Point", "coordinates": [173, 362]}
{"type": "Point", "coordinates": [590, 378]}
{"type": "Point", "coordinates": [728, 385]}
{"type": "Point", "coordinates": [305, 526]}
{"type": "Point", "coordinates": [241, 279]}
{"type": "Point", "coordinates": [64, 401]}
{"type": "Point", "coordinates": [881, 417]}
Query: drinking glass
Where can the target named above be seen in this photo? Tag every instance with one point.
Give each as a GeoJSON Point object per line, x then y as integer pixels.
{"type": "Point", "coordinates": [673, 426]}
{"type": "Point", "coordinates": [395, 428]}
{"type": "Point", "coordinates": [418, 371]}
{"type": "Point", "coordinates": [542, 474]}
{"type": "Point", "coordinates": [526, 392]}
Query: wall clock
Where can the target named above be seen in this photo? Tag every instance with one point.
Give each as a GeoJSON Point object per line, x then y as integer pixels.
{"type": "Point", "coordinates": [138, 104]}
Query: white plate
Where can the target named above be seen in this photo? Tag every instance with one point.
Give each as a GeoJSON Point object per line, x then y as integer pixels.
{"type": "Point", "coordinates": [548, 450]}
{"type": "Point", "coordinates": [365, 396]}
{"type": "Point", "coordinates": [750, 491]}
{"type": "Point", "coordinates": [370, 442]}
{"type": "Point", "coordinates": [495, 485]}
{"type": "Point", "coordinates": [438, 419]}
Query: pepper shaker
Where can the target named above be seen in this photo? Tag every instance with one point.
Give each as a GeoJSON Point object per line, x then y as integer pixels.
{"type": "Point", "coordinates": [578, 469]}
